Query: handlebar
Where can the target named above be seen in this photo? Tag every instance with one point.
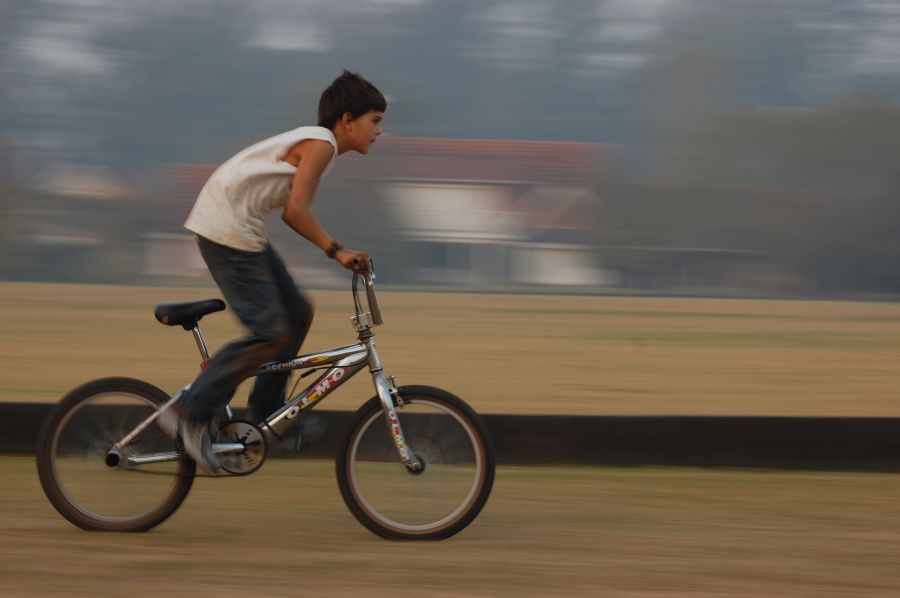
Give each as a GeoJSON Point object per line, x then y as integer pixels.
{"type": "Point", "coordinates": [363, 320]}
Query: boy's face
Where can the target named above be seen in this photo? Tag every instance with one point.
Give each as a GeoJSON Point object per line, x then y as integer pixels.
{"type": "Point", "coordinates": [364, 130]}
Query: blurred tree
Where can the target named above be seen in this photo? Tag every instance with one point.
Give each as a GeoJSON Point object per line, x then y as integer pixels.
{"type": "Point", "coordinates": [5, 244]}
{"type": "Point", "coordinates": [817, 192]}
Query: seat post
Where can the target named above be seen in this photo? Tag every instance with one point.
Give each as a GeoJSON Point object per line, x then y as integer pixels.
{"type": "Point", "coordinates": [201, 344]}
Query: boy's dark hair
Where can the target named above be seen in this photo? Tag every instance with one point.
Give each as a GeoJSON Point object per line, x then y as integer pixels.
{"type": "Point", "coordinates": [348, 93]}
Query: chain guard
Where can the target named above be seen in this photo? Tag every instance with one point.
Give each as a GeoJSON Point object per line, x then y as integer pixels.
{"type": "Point", "coordinates": [254, 453]}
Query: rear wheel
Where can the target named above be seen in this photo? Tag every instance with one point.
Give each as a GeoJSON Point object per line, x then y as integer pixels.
{"type": "Point", "coordinates": [451, 442]}
{"type": "Point", "coordinates": [99, 490]}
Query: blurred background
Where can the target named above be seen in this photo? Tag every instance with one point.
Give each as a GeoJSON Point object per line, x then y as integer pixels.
{"type": "Point", "coordinates": [567, 151]}
{"type": "Point", "coordinates": [742, 148]}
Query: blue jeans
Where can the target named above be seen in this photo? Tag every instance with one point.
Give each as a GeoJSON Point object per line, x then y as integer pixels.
{"type": "Point", "coordinates": [261, 293]}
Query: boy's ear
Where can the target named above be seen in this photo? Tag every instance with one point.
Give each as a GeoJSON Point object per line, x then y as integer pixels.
{"type": "Point", "coordinates": [346, 118]}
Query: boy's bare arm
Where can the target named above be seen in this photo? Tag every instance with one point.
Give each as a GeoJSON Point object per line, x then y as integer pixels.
{"type": "Point", "coordinates": [314, 158]}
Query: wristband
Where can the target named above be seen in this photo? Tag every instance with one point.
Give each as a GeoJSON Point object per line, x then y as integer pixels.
{"type": "Point", "coordinates": [334, 248]}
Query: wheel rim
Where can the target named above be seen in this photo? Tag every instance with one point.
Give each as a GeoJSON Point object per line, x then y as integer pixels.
{"type": "Point", "coordinates": [417, 503]}
{"type": "Point", "coordinates": [112, 494]}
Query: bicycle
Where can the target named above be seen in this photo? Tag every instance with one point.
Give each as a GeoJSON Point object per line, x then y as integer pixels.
{"type": "Point", "coordinates": [105, 463]}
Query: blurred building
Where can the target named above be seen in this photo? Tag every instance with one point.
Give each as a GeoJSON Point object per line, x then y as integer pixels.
{"type": "Point", "coordinates": [72, 222]}
{"type": "Point", "coordinates": [466, 212]}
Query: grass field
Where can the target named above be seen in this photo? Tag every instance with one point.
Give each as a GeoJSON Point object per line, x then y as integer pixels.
{"type": "Point", "coordinates": [546, 531]}
{"type": "Point", "coordinates": [502, 353]}
{"type": "Point", "coordinates": [561, 531]}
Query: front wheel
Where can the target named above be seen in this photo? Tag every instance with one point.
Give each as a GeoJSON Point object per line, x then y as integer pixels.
{"type": "Point", "coordinates": [450, 441]}
{"type": "Point", "coordinates": [131, 491]}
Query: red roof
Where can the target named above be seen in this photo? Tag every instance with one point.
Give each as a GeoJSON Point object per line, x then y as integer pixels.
{"type": "Point", "coordinates": [420, 158]}
{"type": "Point", "coordinates": [480, 160]}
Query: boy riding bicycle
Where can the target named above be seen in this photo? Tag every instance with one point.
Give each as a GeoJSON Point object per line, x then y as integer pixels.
{"type": "Point", "coordinates": [228, 218]}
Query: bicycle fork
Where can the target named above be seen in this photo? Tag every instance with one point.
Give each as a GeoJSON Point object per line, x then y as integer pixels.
{"type": "Point", "coordinates": [387, 392]}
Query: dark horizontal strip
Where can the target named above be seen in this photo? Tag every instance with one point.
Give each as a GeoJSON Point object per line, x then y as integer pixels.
{"type": "Point", "coordinates": [837, 443]}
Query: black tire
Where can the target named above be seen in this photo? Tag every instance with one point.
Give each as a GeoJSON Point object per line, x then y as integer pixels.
{"type": "Point", "coordinates": [72, 467]}
{"type": "Point", "coordinates": [437, 503]}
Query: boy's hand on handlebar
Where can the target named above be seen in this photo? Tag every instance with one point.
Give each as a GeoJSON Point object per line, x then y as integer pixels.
{"type": "Point", "coordinates": [358, 261]}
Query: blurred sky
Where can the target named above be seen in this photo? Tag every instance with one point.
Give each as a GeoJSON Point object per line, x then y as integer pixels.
{"type": "Point", "coordinates": [104, 81]}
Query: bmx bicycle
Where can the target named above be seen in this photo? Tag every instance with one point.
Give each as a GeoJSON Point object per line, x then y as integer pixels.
{"type": "Point", "coordinates": [416, 462]}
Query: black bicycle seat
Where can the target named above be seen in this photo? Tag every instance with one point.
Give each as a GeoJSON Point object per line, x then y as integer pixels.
{"type": "Point", "coordinates": [186, 313]}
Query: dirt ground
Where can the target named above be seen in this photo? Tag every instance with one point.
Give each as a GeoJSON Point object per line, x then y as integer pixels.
{"type": "Point", "coordinates": [546, 531]}
{"type": "Point", "coordinates": [502, 353]}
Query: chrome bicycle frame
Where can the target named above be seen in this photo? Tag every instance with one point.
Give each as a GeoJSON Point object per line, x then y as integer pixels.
{"type": "Point", "coordinates": [342, 364]}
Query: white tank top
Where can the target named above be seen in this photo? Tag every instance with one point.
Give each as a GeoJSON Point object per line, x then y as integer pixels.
{"type": "Point", "coordinates": [232, 205]}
